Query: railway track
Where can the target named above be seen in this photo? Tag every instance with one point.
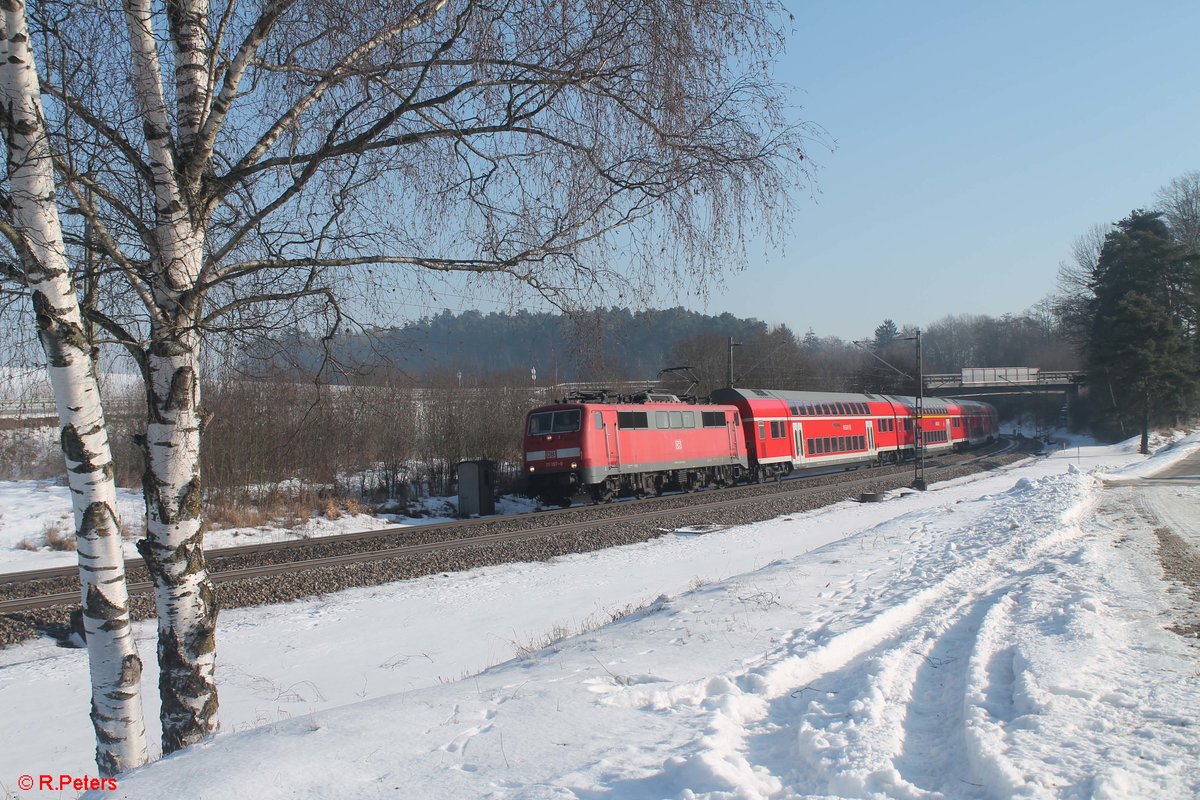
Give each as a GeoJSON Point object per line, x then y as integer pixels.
{"type": "Point", "coordinates": [57, 588]}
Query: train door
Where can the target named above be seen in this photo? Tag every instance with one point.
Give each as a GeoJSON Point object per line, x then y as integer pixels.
{"type": "Point", "coordinates": [871, 436]}
{"type": "Point", "coordinates": [612, 447]}
{"type": "Point", "coordinates": [731, 432]}
{"type": "Point", "coordinates": [798, 440]}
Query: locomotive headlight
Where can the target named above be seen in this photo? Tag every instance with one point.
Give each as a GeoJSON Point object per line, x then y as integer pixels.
{"type": "Point", "coordinates": [573, 465]}
{"type": "Point", "coordinates": [531, 469]}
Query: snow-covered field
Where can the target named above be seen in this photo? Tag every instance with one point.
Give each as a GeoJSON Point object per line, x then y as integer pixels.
{"type": "Point", "coordinates": [31, 512]}
{"type": "Point", "coordinates": [1000, 636]}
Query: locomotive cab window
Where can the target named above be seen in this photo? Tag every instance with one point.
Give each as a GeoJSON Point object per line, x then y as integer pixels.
{"type": "Point", "coordinates": [555, 422]}
{"type": "Point", "coordinates": [599, 420]}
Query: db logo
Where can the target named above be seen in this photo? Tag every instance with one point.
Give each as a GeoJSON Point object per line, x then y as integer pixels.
{"type": "Point", "coordinates": [679, 444]}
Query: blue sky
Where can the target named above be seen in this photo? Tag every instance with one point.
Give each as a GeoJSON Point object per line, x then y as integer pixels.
{"type": "Point", "coordinates": [974, 143]}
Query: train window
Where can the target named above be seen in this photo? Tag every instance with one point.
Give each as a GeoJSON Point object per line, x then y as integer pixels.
{"type": "Point", "coordinates": [632, 419]}
{"type": "Point", "coordinates": [774, 430]}
{"type": "Point", "coordinates": [862, 443]}
{"type": "Point", "coordinates": [762, 429]}
{"type": "Point", "coordinates": [841, 445]}
{"type": "Point", "coordinates": [662, 420]}
{"type": "Point", "coordinates": [567, 421]}
{"type": "Point", "coordinates": [555, 422]}
{"type": "Point", "coordinates": [737, 418]}
{"type": "Point", "coordinates": [825, 444]}
{"type": "Point", "coordinates": [712, 419]}
{"type": "Point", "coordinates": [599, 418]}
{"type": "Point", "coordinates": [811, 447]}
{"type": "Point", "coordinates": [676, 419]}
{"type": "Point", "coordinates": [689, 419]}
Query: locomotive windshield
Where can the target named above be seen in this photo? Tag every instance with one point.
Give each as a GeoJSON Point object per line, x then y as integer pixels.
{"type": "Point", "coordinates": [554, 422]}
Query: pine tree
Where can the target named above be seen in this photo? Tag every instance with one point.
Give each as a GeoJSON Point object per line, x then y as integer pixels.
{"type": "Point", "coordinates": [1139, 353]}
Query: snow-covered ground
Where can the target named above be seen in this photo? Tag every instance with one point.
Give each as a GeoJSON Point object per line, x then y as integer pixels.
{"type": "Point", "coordinates": [999, 636]}
{"type": "Point", "coordinates": [33, 512]}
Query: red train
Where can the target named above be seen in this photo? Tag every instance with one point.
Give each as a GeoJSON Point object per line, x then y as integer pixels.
{"type": "Point", "coordinates": [650, 443]}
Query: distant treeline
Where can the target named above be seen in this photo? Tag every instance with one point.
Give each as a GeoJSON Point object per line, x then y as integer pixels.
{"type": "Point", "coordinates": [561, 348]}
{"type": "Point", "coordinates": [617, 344]}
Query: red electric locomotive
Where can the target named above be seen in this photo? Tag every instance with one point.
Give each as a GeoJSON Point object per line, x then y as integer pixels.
{"type": "Point", "coordinates": [638, 445]}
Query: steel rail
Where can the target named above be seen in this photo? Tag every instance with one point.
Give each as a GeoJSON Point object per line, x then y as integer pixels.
{"type": "Point", "coordinates": [407, 551]}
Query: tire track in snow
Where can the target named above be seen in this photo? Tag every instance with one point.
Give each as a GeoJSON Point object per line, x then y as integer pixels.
{"type": "Point", "coordinates": [772, 729]}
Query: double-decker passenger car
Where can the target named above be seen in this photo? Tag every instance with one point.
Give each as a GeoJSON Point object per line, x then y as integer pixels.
{"type": "Point", "coordinates": [636, 445]}
{"type": "Point", "coordinates": [806, 431]}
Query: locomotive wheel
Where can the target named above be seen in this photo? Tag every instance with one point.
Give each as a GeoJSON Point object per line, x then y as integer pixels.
{"type": "Point", "coordinates": [605, 491]}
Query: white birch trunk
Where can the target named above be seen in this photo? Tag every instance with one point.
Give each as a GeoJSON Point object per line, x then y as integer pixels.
{"type": "Point", "coordinates": [112, 654]}
{"type": "Point", "coordinates": [174, 545]}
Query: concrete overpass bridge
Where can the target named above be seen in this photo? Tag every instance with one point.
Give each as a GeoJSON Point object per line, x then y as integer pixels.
{"type": "Point", "coordinates": [1030, 382]}
{"type": "Point", "coordinates": [985, 381]}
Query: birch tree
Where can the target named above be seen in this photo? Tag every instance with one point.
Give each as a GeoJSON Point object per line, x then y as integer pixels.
{"type": "Point", "coordinates": [31, 224]}
{"type": "Point", "coordinates": [246, 165]}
